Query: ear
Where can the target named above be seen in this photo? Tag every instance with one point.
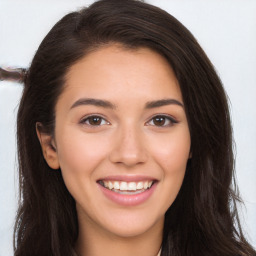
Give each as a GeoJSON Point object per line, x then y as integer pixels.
{"type": "Point", "coordinates": [48, 146]}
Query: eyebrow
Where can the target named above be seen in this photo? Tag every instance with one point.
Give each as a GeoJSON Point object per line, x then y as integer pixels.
{"type": "Point", "coordinates": [163, 102]}
{"type": "Point", "coordinates": [94, 102]}
{"type": "Point", "coordinates": [107, 104]}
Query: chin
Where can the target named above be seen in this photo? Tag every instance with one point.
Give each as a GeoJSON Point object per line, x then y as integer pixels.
{"type": "Point", "coordinates": [134, 226]}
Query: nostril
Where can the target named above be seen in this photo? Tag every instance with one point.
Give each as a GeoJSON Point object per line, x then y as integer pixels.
{"type": "Point", "coordinates": [126, 156]}
{"type": "Point", "coordinates": [128, 148]}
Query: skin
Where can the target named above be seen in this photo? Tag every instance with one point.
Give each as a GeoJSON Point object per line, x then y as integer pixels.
{"type": "Point", "coordinates": [127, 140]}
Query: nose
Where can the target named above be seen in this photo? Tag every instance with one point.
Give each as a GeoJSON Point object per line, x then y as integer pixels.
{"type": "Point", "coordinates": [128, 148]}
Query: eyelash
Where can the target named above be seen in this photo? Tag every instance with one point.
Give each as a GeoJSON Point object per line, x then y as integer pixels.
{"type": "Point", "coordinates": [166, 118]}
{"type": "Point", "coordinates": [171, 121]}
{"type": "Point", "coordinates": [88, 118]}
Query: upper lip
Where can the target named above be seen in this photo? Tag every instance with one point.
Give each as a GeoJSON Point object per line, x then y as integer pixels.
{"type": "Point", "coordinates": [128, 178]}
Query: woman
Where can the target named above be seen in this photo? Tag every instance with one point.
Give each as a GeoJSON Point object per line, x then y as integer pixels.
{"type": "Point", "coordinates": [124, 141]}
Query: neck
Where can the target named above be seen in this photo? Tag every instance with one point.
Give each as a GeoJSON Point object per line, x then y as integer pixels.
{"type": "Point", "coordinates": [94, 241]}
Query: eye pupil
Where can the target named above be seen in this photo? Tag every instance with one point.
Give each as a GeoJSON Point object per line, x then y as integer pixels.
{"type": "Point", "coordinates": [159, 121]}
{"type": "Point", "coordinates": [94, 120]}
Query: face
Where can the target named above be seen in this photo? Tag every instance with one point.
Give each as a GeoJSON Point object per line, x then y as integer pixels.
{"type": "Point", "coordinates": [122, 139]}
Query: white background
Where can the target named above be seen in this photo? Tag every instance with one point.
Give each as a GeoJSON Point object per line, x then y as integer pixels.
{"type": "Point", "coordinates": [226, 29]}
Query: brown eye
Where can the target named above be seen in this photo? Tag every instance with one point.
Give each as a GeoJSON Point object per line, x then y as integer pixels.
{"type": "Point", "coordinates": [162, 121]}
{"type": "Point", "coordinates": [94, 121]}
{"type": "Point", "coordinates": [159, 121]}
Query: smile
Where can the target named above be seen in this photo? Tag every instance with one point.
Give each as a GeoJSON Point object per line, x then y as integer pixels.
{"type": "Point", "coordinates": [127, 188]}
{"type": "Point", "coordinates": [127, 193]}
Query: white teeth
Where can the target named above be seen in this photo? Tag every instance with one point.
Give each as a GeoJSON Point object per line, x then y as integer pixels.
{"type": "Point", "coordinates": [123, 185]}
{"type": "Point", "coordinates": [110, 185]}
{"type": "Point", "coordinates": [127, 186]}
{"type": "Point", "coordinates": [145, 185]}
{"type": "Point", "coordinates": [140, 185]}
{"type": "Point", "coordinates": [105, 184]}
{"type": "Point", "coordinates": [116, 185]}
{"type": "Point", "coordinates": [131, 186]}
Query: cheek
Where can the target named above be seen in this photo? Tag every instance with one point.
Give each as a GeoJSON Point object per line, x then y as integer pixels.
{"type": "Point", "coordinates": [172, 151]}
{"type": "Point", "coordinates": [77, 148]}
{"type": "Point", "coordinates": [79, 156]}
{"type": "Point", "coordinates": [172, 154]}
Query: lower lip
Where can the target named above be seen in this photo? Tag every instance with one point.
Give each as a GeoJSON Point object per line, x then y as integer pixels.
{"type": "Point", "coordinates": [128, 200]}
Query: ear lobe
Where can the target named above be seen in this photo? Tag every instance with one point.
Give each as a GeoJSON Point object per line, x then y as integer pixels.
{"type": "Point", "coordinates": [48, 147]}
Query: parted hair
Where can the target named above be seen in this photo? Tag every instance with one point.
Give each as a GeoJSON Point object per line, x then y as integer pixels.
{"type": "Point", "coordinates": [203, 220]}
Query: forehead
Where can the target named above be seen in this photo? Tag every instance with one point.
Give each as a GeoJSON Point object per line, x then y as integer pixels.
{"type": "Point", "coordinates": [129, 73]}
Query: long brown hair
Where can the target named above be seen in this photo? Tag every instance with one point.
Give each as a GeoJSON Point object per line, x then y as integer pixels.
{"type": "Point", "coordinates": [12, 74]}
{"type": "Point", "coordinates": [203, 220]}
